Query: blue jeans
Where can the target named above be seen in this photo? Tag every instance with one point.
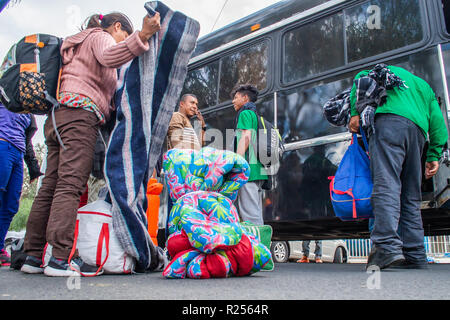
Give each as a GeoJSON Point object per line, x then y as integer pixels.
{"type": "Point", "coordinates": [317, 250]}
{"type": "Point", "coordinates": [11, 179]}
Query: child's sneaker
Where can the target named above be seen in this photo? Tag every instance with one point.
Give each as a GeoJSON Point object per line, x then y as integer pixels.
{"type": "Point", "coordinates": [32, 265]}
{"type": "Point", "coordinates": [5, 258]}
{"type": "Point", "coordinates": [61, 268]}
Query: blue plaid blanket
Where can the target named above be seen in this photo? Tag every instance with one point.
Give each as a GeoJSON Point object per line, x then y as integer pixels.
{"type": "Point", "coordinates": [147, 93]}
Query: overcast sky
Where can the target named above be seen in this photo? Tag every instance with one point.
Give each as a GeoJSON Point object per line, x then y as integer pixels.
{"type": "Point", "coordinates": [64, 17]}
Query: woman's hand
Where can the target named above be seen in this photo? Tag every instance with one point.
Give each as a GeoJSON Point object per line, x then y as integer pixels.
{"type": "Point", "coordinates": [150, 25]}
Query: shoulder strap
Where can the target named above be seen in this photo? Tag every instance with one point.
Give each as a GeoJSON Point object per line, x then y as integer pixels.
{"type": "Point", "coordinates": [363, 135]}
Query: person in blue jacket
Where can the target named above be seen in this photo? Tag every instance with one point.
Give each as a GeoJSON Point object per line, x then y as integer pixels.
{"type": "Point", "coordinates": [16, 131]}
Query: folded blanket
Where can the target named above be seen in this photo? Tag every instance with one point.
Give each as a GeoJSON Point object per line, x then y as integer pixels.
{"type": "Point", "coordinates": [369, 95]}
{"type": "Point", "coordinates": [206, 237]}
{"type": "Point", "coordinates": [147, 93]}
{"type": "Point", "coordinates": [371, 92]}
{"type": "Point", "coordinates": [337, 109]}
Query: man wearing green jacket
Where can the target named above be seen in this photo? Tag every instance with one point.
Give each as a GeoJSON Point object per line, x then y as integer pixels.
{"type": "Point", "coordinates": [408, 115]}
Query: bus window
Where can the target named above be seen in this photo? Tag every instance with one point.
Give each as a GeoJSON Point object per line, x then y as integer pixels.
{"type": "Point", "coordinates": [446, 7]}
{"type": "Point", "coordinates": [203, 83]}
{"type": "Point", "coordinates": [300, 110]}
{"type": "Point", "coordinates": [278, 11]}
{"type": "Point", "coordinates": [379, 26]}
{"type": "Point", "coordinates": [246, 66]}
{"type": "Point", "coordinates": [313, 48]}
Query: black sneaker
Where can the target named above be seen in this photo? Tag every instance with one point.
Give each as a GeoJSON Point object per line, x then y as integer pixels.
{"type": "Point", "coordinates": [32, 265]}
{"type": "Point", "coordinates": [382, 259]}
{"type": "Point", "coordinates": [61, 268]}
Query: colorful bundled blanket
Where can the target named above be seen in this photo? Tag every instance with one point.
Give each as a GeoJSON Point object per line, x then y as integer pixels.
{"type": "Point", "coordinates": [147, 93]}
{"type": "Point", "coordinates": [206, 238]}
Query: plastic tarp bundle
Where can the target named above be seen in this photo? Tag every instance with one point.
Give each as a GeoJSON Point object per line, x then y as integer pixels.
{"type": "Point", "coordinates": [206, 238]}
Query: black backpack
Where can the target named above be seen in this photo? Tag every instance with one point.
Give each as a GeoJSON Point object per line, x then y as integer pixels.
{"type": "Point", "coordinates": [31, 80]}
{"type": "Point", "coordinates": [269, 144]}
{"type": "Point", "coordinates": [269, 148]}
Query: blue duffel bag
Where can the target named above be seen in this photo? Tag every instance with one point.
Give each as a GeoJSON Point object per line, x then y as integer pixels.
{"type": "Point", "coordinates": [351, 187]}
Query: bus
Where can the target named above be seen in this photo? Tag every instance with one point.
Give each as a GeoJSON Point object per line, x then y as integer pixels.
{"type": "Point", "coordinates": [299, 54]}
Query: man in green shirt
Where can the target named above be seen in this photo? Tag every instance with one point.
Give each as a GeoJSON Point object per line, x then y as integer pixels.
{"type": "Point", "coordinates": [402, 123]}
{"type": "Point", "coordinates": [250, 197]}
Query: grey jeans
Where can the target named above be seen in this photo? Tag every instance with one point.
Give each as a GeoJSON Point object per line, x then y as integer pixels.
{"type": "Point", "coordinates": [396, 164]}
{"type": "Point", "coordinates": [250, 202]}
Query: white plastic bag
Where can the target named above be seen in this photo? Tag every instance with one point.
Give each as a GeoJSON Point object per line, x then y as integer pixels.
{"type": "Point", "coordinates": [96, 241]}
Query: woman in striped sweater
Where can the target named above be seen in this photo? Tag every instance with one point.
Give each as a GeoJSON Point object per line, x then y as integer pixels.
{"type": "Point", "coordinates": [88, 81]}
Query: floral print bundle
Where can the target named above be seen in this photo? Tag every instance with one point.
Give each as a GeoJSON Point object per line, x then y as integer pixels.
{"type": "Point", "coordinates": [206, 238]}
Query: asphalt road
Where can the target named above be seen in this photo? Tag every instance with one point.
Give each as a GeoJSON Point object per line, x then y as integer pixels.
{"type": "Point", "coordinates": [289, 281]}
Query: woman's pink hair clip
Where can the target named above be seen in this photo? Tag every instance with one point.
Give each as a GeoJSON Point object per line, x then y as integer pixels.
{"type": "Point", "coordinates": [100, 17]}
